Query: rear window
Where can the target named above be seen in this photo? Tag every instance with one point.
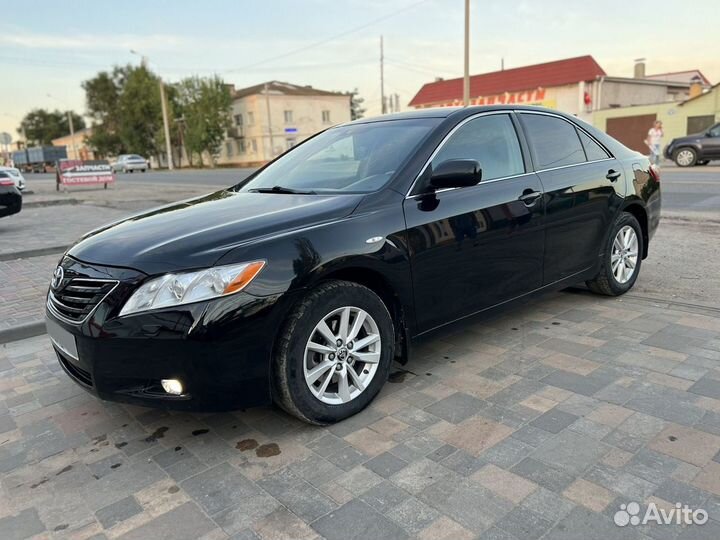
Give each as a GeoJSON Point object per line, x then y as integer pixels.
{"type": "Point", "coordinates": [593, 150]}
{"type": "Point", "coordinates": [554, 142]}
{"type": "Point", "coordinates": [3, 174]}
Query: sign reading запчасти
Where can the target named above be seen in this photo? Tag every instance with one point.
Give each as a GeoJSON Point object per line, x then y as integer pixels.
{"type": "Point", "coordinates": [77, 172]}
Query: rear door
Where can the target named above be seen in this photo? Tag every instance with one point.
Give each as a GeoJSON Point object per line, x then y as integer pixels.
{"type": "Point", "coordinates": [474, 247]}
{"type": "Point", "coordinates": [583, 186]}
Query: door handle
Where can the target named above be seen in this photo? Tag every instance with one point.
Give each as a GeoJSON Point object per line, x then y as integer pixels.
{"type": "Point", "coordinates": [530, 197]}
{"type": "Point", "coordinates": [613, 175]}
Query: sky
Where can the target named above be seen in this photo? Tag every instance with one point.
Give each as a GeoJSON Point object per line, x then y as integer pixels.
{"type": "Point", "coordinates": [47, 48]}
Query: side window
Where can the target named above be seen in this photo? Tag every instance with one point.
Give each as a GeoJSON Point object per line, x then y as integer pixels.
{"type": "Point", "coordinates": [492, 141]}
{"type": "Point", "coordinates": [554, 142]}
{"type": "Point", "coordinates": [593, 150]}
{"type": "Point", "coordinates": [715, 131]}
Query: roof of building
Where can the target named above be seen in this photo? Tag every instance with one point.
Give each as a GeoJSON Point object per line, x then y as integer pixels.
{"type": "Point", "coordinates": [680, 76]}
{"type": "Point", "coordinates": [288, 89]}
{"type": "Point", "coordinates": [556, 73]}
{"type": "Point", "coordinates": [706, 92]}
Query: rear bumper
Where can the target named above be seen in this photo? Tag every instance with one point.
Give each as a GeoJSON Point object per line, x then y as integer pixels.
{"type": "Point", "coordinates": [10, 203]}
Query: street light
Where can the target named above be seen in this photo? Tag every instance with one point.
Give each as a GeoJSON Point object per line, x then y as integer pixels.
{"type": "Point", "coordinates": [70, 123]}
{"type": "Point", "coordinates": [466, 74]}
{"type": "Point", "coordinates": [166, 124]}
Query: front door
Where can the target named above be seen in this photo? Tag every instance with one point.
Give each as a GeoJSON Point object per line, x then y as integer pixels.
{"type": "Point", "coordinates": [583, 186]}
{"type": "Point", "coordinates": [475, 247]}
{"type": "Point", "coordinates": [711, 143]}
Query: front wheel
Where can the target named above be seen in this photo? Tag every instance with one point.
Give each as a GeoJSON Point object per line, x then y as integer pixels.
{"type": "Point", "coordinates": [334, 353]}
{"type": "Point", "coordinates": [622, 260]}
{"type": "Point", "coordinates": [685, 157]}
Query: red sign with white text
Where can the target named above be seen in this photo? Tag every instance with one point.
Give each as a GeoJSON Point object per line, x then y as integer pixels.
{"type": "Point", "coordinates": [73, 172]}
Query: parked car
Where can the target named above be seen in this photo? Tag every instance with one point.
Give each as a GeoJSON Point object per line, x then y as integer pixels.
{"type": "Point", "coordinates": [10, 196]}
{"type": "Point", "coordinates": [16, 175]}
{"type": "Point", "coordinates": [696, 149]}
{"type": "Point", "coordinates": [128, 163]}
{"type": "Point", "coordinates": [302, 283]}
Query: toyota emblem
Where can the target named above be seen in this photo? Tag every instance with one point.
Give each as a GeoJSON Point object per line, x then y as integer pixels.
{"type": "Point", "coordinates": [57, 278]}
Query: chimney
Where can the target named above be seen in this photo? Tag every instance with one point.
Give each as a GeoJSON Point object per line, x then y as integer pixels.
{"type": "Point", "coordinates": [696, 87]}
{"type": "Point", "coordinates": [639, 68]}
{"type": "Point", "coordinates": [438, 79]}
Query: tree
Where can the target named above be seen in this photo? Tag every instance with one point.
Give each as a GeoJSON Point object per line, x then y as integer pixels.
{"type": "Point", "coordinates": [356, 109]}
{"type": "Point", "coordinates": [205, 105]}
{"type": "Point", "coordinates": [102, 95]}
{"type": "Point", "coordinates": [41, 126]}
{"type": "Point", "coordinates": [125, 107]}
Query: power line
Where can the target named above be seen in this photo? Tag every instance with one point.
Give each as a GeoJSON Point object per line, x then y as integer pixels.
{"type": "Point", "coordinates": [327, 40]}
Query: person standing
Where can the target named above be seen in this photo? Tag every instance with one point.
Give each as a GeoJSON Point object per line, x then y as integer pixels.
{"type": "Point", "coordinates": [654, 142]}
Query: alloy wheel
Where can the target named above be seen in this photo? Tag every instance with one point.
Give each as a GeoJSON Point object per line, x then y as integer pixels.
{"type": "Point", "coordinates": [684, 158]}
{"type": "Point", "coordinates": [342, 355]}
{"type": "Point", "coordinates": [624, 254]}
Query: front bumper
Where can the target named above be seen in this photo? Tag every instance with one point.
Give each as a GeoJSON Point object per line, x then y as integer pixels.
{"type": "Point", "coordinates": [220, 350]}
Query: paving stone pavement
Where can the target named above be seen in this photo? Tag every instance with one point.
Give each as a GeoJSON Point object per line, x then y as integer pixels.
{"type": "Point", "coordinates": [22, 302]}
{"type": "Point", "coordinates": [538, 424]}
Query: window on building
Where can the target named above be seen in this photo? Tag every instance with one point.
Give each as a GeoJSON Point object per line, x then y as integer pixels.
{"type": "Point", "coordinates": [554, 141]}
{"type": "Point", "coordinates": [593, 150]}
{"type": "Point", "coordinates": [238, 120]}
{"type": "Point", "coordinates": [241, 146]}
{"type": "Point", "coordinates": [250, 118]}
{"type": "Point", "coordinates": [492, 141]}
{"type": "Point", "coordinates": [254, 146]}
{"type": "Point", "coordinates": [229, 148]}
{"type": "Point", "coordinates": [288, 117]}
{"type": "Point", "coordinates": [326, 117]}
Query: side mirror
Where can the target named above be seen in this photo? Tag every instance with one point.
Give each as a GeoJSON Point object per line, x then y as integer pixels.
{"type": "Point", "coordinates": [456, 173]}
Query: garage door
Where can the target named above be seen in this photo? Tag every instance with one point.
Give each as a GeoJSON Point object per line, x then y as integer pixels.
{"type": "Point", "coordinates": [697, 124]}
{"type": "Point", "coordinates": [631, 130]}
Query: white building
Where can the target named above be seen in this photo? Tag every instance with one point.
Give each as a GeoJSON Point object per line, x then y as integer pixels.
{"type": "Point", "coordinates": [271, 117]}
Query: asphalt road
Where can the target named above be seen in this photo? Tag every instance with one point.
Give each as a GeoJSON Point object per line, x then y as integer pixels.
{"type": "Point", "coordinates": [684, 190]}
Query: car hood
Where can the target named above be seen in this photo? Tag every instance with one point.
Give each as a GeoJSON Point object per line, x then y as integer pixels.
{"type": "Point", "coordinates": [197, 232]}
{"type": "Point", "coordinates": [695, 137]}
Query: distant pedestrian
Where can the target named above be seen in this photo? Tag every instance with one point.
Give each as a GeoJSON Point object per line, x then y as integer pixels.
{"type": "Point", "coordinates": [654, 142]}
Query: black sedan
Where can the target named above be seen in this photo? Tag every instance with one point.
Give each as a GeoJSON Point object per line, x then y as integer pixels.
{"type": "Point", "coordinates": [10, 196]}
{"type": "Point", "coordinates": [304, 282]}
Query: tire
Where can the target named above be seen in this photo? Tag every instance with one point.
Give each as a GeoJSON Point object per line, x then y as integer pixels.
{"type": "Point", "coordinates": [607, 281]}
{"type": "Point", "coordinates": [685, 157]}
{"type": "Point", "coordinates": [293, 360]}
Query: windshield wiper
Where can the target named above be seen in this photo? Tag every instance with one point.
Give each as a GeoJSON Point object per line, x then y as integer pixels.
{"type": "Point", "coordinates": [281, 189]}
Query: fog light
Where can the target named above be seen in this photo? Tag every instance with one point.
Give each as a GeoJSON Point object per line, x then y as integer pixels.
{"type": "Point", "coordinates": [172, 386]}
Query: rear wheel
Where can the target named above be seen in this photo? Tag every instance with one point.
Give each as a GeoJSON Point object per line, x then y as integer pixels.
{"type": "Point", "coordinates": [685, 157]}
{"type": "Point", "coordinates": [623, 257]}
{"type": "Point", "coordinates": [334, 353]}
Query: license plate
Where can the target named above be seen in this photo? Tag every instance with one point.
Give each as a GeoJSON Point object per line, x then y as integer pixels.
{"type": "Point", "coordinates": [61, 338]}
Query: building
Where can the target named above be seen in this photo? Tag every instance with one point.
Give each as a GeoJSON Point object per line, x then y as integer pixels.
{"type": "Point", "coordinates": [630, 124]}
{"type": "Point", "coordinates": [576, 86]}
{"type": "Point", "coordinates": [77, 147]}
{"type": "Point", "coordinates": [271, 117]}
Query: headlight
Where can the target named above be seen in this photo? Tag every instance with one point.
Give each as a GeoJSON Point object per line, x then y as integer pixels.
{"type": "Point", "coordinates": [188, 287]}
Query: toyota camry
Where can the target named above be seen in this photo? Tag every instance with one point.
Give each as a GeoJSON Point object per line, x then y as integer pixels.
{"type": "Point", "coordinates": [303, 283]}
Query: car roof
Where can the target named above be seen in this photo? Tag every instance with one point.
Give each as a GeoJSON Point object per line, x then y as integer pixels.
{"type": "Point", "coordinates": [446, 112]}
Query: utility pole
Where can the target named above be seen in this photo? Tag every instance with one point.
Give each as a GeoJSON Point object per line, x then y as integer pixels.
{"type": "Point", "coordinates": [72, 135]}
{"type": "Point", "coordinates": [466, 76]}
{"type": "Point", "coordinates": [397, 103]}
{"type": "Point", "coordinates": [269, 119]}
{"type": "Point", "coordinates": [166, 125]}
{"type": "Point", "coordinates": [163, 105]}
{"type": "Point", "coordinates": [382, 77]}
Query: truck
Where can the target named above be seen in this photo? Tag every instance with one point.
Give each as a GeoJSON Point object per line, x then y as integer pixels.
{"type": "Point", "coordinates": [38, 158]}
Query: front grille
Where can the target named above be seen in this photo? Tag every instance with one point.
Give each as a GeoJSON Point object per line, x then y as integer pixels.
{"type": "Point", "coordinates": [77, 373]}
{"type": "Point", "coordinates": [76, 300]}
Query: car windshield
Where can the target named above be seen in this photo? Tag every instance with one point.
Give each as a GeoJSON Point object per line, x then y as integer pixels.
{"type": "Point", "coordinates": [135, 158]}
{"type": "Point", "coordinates": [356, 158]}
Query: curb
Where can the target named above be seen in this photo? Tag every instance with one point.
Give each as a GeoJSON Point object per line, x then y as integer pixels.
{"type": "Point", "coordinates": [22, 331]}
{"type": "Point", "coordinates": [30, 253]}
